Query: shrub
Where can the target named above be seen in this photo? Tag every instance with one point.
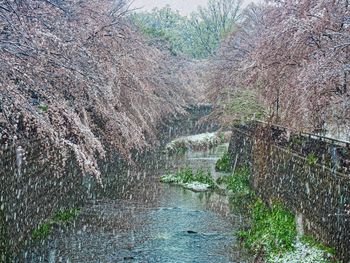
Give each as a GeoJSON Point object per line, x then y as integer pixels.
{"type": "Point", "coordinates": [223, 164]}
{"type": "Point", "coordinates": [272, 231]}
{"type": "Point", "coordinates": [186, 175]}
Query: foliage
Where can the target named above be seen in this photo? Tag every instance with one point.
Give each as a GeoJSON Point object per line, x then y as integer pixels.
{"type": "Point", "coordinates": [245, 106]}
{"type": "Point", "coordinates": [311, 241]}
{"type": "Point", "coordinates": [238, 182]}
{"type": "Point", "coordinates": [198, 35]}
{"type": "Point", "coordinates": [241, 194]}
{"type": "Point", "coordinates": [66, 214]}
{"type": "Point", "coordinates": [43, 107]}
{"type": "Point", "coordinates": [62, 216]}
{"type": "Point", "coordinates": [186, 175]}
{"type": "Point", "coordinates": [204, 177]}
{"type": "Point", "coordinates": [272, 231]}
{"type": "Point", "coordinates": [213, 23]}
{"type": "Point", "coordinates": [311, 158]}
{"type": "Point", "coordinates": [42, 231]}
{"type": "Point", "coordinates": [163, 24]}
{"type": "Point", "coordinates": [223, 164]}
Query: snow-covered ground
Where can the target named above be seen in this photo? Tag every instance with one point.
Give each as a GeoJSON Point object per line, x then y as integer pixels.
{"type": "Point", "coordinates": [198, 141]}
{"type": "Point", "coordinates": [303, 253]}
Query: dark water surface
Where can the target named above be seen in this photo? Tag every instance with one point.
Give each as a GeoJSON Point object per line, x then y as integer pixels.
{"type": "Point", "coordinates": [146, 221]}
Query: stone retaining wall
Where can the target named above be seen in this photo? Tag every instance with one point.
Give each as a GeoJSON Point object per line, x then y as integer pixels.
{"type": "Point", "coordinates": [318, 193]}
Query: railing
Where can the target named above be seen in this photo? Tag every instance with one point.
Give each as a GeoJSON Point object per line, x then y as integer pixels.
{"type": "Point", "coordinates": [327, 151]}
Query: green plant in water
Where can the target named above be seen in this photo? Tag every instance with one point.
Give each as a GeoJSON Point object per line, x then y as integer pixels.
{"type": "Point", "coordinates": [273, 230]}
{"type": "Point", "coordinates": [186, 175]}
{"type": "Point", "coordinates": [311, 158]}
{"type": "Point", "coordinates": [223, 164]}
{"type": "Point", "coordinates": [204, 178]}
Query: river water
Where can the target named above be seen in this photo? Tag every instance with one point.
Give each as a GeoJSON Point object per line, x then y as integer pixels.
{"type": "Point", "coordinates": [147, 221]}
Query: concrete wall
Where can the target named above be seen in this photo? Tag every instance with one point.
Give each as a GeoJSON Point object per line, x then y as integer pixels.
{"type": "Point", "coordinates": [319, 193]}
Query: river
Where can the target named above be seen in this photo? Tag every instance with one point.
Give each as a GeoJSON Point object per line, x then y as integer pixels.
{"type": "Point", "coordinates": [147, 221]}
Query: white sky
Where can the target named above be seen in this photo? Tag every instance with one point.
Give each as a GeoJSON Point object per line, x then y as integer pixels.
{"type": "Point", "coordinates": [184, 6]}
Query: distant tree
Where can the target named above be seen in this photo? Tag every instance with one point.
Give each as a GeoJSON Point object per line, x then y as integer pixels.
{"type": "Point", "coordinates": [162, 24]}
{"type": "Point", "coordinates": [214, 22]}
{"type": "Point", "coordinates": [295, 56]}
{"type": "Point", "coordinates": [198, 35]}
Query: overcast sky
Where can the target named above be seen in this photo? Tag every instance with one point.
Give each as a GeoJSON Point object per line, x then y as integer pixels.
{"type": "Point", "coordinates": [184, 6]}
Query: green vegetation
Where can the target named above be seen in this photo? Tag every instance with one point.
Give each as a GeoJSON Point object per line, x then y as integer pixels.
{"type": "Point", "coordinates": [3, 239]}
{"type": "Point", "coordinates": [238, 182]}
{"type": "Point", "coordinates": [42, 231]}
{"type": "Point", "coordinates": [311, 241]}
{"type": "Point", "coordinates": [60, 217]}
{"type": "Point", "coordinates": [273, 230]}
{"type": "Point", "coordinates": [43, 107]}
{"type": "Point", "coordinates": [223, 164]}
{"type": "Point", "coordinates": [245, 106]}
{"type": "Point", "coordinates": [65, 215]}
{"type": "Point", "coordinates": [241, 194]}
{"type": "Point", "coordinates": [311, 158]}
{"type": "Point", "coordinates": [186, 175]}
{"type": "Point", "coordinates": [198, 35]}
{"type": "Point", "coordinates": [222, 137]}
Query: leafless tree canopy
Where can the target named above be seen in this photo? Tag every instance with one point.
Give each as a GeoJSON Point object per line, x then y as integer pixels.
{"type": "Point", "coordinates": [76, 73]}
{"type": "Point", "coordinates": [294, 56]}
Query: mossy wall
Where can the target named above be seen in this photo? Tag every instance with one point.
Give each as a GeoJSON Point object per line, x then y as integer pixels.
{"type": "Point", "coordinates": [35, 180]}
{"type": "Point", "coordinates": [317, 192]}
{"type": "Point", "coordinates": [3, 238]}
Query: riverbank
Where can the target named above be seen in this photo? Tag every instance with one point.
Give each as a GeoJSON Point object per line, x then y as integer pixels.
{"type": "Point", "coordinates": [272, 234]}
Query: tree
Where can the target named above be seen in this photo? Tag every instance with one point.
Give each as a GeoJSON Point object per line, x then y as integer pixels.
{"type": "Point", "coordinates": [295, 55]}
{"type": "Point", "coordinates": [197, 36]}
{"type": "Point", "coordinates": [212, 23]}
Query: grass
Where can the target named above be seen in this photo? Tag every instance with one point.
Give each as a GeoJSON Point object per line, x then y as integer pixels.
{"type": "Point", "coordinates": [272, 233]}
{"type": "Point", "coordinates": [311, 241]}
{"type": "Point", "coordinates": [66, 215]}
{"type": "Point", "coordinates": [237, 182]}
{"type": "Point", "coordinates": [187, 175]}
{"type": "Point", "coordinates": [311, 158]}
{"type": "Point", "coordinates": [223, 164]}
{"type": "Point", "coordinates": [42, 231]}
{"type": "Point", "coordinates": [273, 230]}
{"type": "Point", "coordinates": [62, 216]}
{"type": "Point", "coordinates": [241, 194]}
